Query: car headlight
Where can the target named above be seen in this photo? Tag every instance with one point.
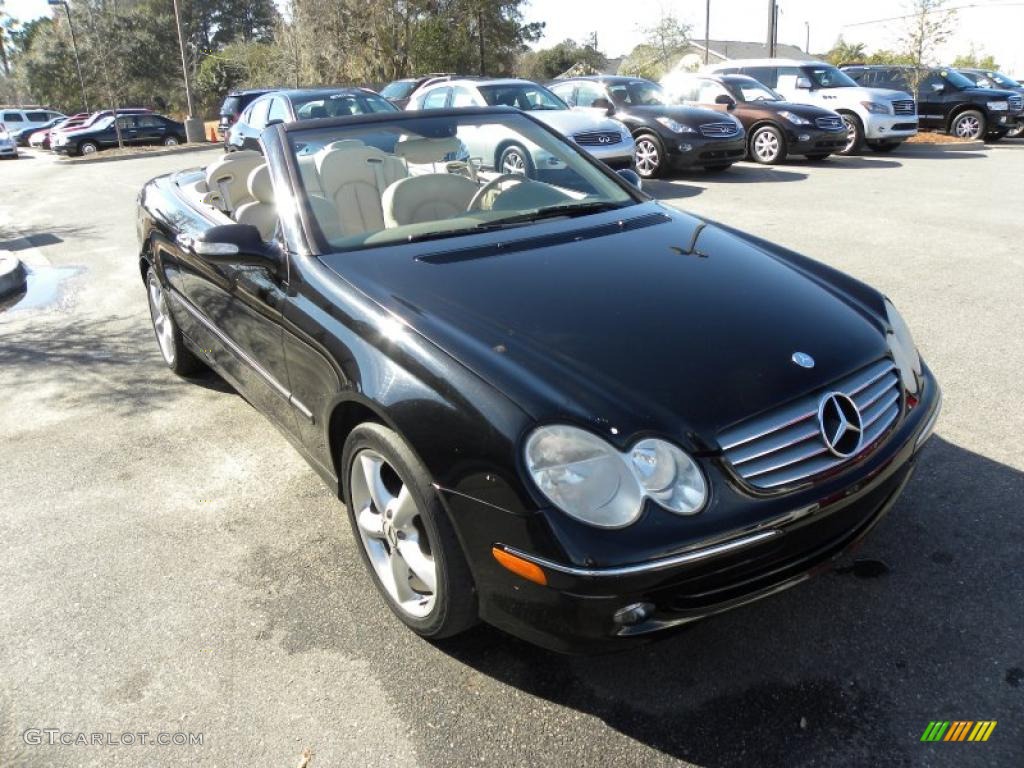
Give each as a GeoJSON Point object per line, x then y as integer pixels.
{"type": "Point", "coordinates": [674, 126]}
{"type": "Point", "coordinates": [875, 108]}
{"type": "Point", "coordinates": [794, 118]}
{"type": "Point", "coordinates": [998, 106]}
{"type": "Point", "coordinates": [590, 480]}
{"type": "Point", "coordinates": [904, 350]}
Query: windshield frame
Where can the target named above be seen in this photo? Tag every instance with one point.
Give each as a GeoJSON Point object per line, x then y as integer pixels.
{"type": "Point", "coordinates": [809, 72]}
{"type": "Point", "coordinates": [302, 230]}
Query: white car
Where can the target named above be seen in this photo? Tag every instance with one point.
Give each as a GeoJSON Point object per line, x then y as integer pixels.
{"type": "Point", "coordinates": [606, 139]}
{"type": "Point", "coordinates": [881, 118]}
{"type": "Point", "coordinates": [8, 148]}
{"type": "Point", "coordinates": [16, 118]}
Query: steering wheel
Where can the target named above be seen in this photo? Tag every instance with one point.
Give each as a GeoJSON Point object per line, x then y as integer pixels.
{"type": "Point", "coordinates": [477, 201]}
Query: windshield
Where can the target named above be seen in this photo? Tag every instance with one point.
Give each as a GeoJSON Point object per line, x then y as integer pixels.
{"type": "Point", "coordinates": [231, 105]}
{"type": "Point", "coordinates": [956, 79]}
{"type": "Point", "coordinates": [399, 89]}
{"type": "Point", "coordinates": [427, 178]}
{"type": "Point", "coordinates": [749, 89]}
{"type": "Point", "coordinates": [638, 93]}
{"type": "Point", "coordinates": [1003, 81]}
{"type": "Point", "coordinates": [526, 96]}
{"type": "Point", "coordinates": [341, 105]}
{"type": "Point", "coordinates": [827, 76]}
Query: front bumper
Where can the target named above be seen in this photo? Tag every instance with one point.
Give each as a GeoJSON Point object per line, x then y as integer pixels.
{"type": "Point", "coordinates": [890, 126]}
{"type": "Point", "coordinates": [581, 607]}
{"type": "Point", "coordinates": [808, 140]}
{"type": "Point", "coordinates": [687, 150]}
{"type": "Point", "coordinates": [614, 155]}
{"type": "Point", "coordinates": [8, 150]}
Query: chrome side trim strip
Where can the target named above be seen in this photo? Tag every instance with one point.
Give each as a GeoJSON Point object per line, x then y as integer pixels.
{"type": "Point", "coordinates": [278, 387]}
{"type": "Point", "coordinates": [686, 558]}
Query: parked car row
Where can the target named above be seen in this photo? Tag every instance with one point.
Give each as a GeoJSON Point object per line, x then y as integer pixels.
{"type": "Point", "coordinates": [88, 132]}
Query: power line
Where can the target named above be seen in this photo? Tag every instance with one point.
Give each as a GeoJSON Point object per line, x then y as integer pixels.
{"type": "Point", "coordinates": [937, 10]}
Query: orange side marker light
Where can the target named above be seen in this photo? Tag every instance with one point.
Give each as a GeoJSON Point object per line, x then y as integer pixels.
{"type": "Point", "coordinates": [520, 567]}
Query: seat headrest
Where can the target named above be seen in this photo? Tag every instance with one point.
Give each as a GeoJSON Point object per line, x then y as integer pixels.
{"type": "Point", "coordinates": [259, 184]}
{"type": "Point", "coordinates": [427, 150]}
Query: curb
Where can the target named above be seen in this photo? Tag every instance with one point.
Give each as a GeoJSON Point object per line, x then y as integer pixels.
{"type": "Point", "coordinates": [181, 149]}
{"type": "Point", "coordinates": [12, 276]}
{"type": "Point", "coordinates": [960, 146]}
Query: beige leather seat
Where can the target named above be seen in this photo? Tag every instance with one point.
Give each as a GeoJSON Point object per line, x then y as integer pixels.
{"type": "Point", "coordinates": [353, 178]}
{"type": "Point", "coordinates": [261, 212]}
{"type": "Point", "coordinates": [430, 197]}
{"type": "Point", "coordinates": [422, 151]}
{"type": "Point", "coordinates": [227, 179]}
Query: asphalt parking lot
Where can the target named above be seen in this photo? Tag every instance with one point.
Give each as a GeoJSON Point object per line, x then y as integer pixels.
{"type": "Point", "coordinates": [170, 564]}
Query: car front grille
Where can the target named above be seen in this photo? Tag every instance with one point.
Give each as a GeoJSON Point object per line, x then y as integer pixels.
{"type": "Point", "coordinates": [830, 123]}
{"type": "Point", "coordinates": [785, 446]}
{"type": "Point", "coordinates": [719, 130]}
{"type": "Point", "coordinates": [904, 107]}
{"type": "Point", "coordinates": [1016, 103]}
{"type": "Point", "coordinates": [597, 138]}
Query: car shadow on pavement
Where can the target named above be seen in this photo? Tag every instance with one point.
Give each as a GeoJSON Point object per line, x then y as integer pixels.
{"type": "Point", "coordinates": [855, 161]}
{"type": "Point", "coordinates": [747, 173]}
{"type": "Point", "coordinates": [847, 669]}
{"type": "Point", "coordinates": [942, 154]}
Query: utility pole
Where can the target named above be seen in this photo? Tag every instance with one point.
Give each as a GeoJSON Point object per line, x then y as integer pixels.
{"type": "Point", "coordinates": [772, 20]}
{"type": "Point", "coordinates": [807, 45]}
{"type": "Point", "coordinates": [707, 31]}
{"type": "Point", "coordinates": [74, 46]}
{"type": "Point", "coordinates": [193, 127]}
{"type": "Point", "coordinates": [3, 52]}
{"type": "Point", "coordinates": [480, 31]}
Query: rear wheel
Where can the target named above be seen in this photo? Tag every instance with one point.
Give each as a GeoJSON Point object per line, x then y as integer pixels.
{"type": "Point", "coordinates": [516, 160]}
{"type": "Point", "coordinates": [178, 357]}
{"type": "Point", "coordinates": [171, 141]}
{"type": "Point", "coordinates": [767, 145]}
{"type": "Point", "coordinates": [854, 134]}
{"type": "Point", "coordinates": [406, 540]}
{"type": "Point", "coordinates": [969, 124]}
{"type": "Point", "coordinates": [649, 156]}
{"type": "Point", "coordinates": [1016, 132]}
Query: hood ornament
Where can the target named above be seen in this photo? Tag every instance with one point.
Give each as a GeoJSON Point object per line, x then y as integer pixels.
{"type": "Point", "coordinates": [803, 359]}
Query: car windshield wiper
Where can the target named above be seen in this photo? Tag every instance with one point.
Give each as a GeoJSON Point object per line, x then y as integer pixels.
{"type": "Point", "coordinates": [553, 211]}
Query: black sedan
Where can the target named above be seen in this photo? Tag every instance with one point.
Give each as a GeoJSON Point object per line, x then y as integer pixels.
{"type": "Point", "coordinates": [564, 409]}
{"type": "Point", "coordinates": [300, 104]}
{"type": "Point", "coordinates": [667, 135]}
{"type": "Point", "coordinates": [135, 129]}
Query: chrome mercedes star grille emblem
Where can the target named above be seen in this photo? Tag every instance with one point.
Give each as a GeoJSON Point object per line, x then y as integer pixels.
{"type": "Point", "coordinates": [803, 359]}
{"type": "Point", "coordinates": [840, 424]}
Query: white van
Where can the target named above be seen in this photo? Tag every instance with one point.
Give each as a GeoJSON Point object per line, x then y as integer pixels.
{"type": "Point", "coordinates": [17, 118]}
{"type": "Point", "coordinates": [880, 118]}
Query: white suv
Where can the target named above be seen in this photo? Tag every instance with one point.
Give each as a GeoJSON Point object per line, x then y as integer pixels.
{"type": "Point", "coordinates": [16, 118]}
{"type": "Point", "coordinates": [606, 139]}
{"type": "Point", "coordinates": [878, 117]}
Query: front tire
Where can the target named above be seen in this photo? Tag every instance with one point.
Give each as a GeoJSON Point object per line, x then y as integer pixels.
{"type": "Point", "coordinates": [88, 148]}
{"type": "Point", "coordinates": [404, 535]}
{"type": "Point", "coordinates": [178, 357]}
{"type": "Point", "coordinates": [854, 134]}
{"type": "Point", "coordinates": [767, 145]}
{"type": "Point", "coordinates": [969, 124]}
{"type": "Point", "coordinates": [515, 159]}
{"type": "Point", "coordinates": [171, 141]}
{"type": "Point", "coordinates": [649, 156]}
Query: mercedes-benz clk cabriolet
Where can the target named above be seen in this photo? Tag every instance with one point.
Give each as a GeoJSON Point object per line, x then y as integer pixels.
{"type": "Point", "coordinates": [547, 401]}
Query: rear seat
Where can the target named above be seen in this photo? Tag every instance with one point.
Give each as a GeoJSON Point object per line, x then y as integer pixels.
{"type": "Point", "coordinates": [227, 179]}
{"type": "Point", "coordinates": [261, 211]}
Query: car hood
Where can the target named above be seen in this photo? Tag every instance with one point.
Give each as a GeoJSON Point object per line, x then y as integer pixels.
{"type": "Point", "coordinates": [809, 111]}
{"type": "Point", "coordinates": [665, 325]}
{"type": "Point", "coordinates": [990, 93]}
{"type": "Point", "coordinates": [568, 121]}
{"type": "Point", "coordinates": [859, 92]}
{"type": "Point", "coordinates": [692, 116]}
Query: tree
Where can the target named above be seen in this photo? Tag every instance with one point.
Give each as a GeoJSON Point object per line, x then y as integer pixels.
{"type": "Point", "coordinates": [885, 56]}
{"type": "Point", "coordinates": [663, 46]}
{"type": "Point", "coordinates": [975, 59]}
{"type": "Point", "coordinates": [552, 62]}
{"type": "Point", "coordinates": [928, 25]}
{"type": "Point", "coordinates": [845, 53]}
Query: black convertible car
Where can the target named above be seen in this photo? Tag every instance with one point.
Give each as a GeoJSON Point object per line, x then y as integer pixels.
{"type": "Point", "coordinates": [559, 407]}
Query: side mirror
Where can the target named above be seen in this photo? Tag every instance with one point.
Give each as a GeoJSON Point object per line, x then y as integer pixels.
{"type": "Point", "coordinates": [607, 106]}
{"type": "Point", "coordinates": [235, 244]}
{"type": "Point", "coordinates": [724, 98]}
{"type": "Point", "coordinates": [938, 87]}
{"type": "Point", "coordinates": [803, 83]}
{"type": "Point", "coordinates": [632, 178]}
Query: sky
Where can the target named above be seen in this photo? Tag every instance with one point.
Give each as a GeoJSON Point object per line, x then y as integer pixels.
{"type": "Point", "coordinates": [993, 26]}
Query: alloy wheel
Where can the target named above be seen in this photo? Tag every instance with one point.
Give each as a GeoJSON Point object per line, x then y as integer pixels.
{"type": "Point", "coordinates": [162, 323]}
{"type": "Point", "coordinates": [647, 157]}
{"type": "Point", "coordinates": [393, 534]}
{"type": "Point", "coordinates": [766, 146]}
{"type": "Point", "coordinates": [170, 141]}
{"type": "Point", "coordinates": [88, 149]}
{"type": "Point", "coordinates": [851, 133]}
{"type": "Point", "coordinates": [513, 162]}
{"type": "Point", "coordinates": [967, 127]}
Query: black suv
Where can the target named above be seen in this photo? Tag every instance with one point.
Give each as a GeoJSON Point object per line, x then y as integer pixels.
{"type": "Point", "coordinates": [667, 135]}
{"type": "Point", "coordinates": [990, 78]}
{"type": "Point", "coordinates": [948, 101]}
{"type": "Point", "coordinates": [231, 109]}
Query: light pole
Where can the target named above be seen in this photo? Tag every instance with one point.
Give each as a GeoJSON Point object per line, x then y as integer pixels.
{"type": "Point", "coordinates": [193, 127]}
{"type": "Point", "coordinates": [807, 45]}
{"type": "Point", "coordinates": [707, 31]}
{"type": "Point", "coordinates": [772, 20]}
{"type": "Point", "coordinates": [74, 45]}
